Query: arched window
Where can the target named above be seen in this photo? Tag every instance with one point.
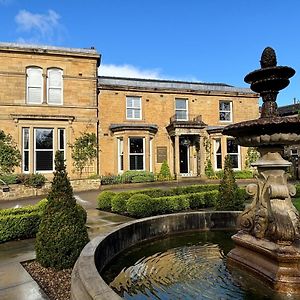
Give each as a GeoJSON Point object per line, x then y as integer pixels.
{"type": "Point", "coordinates": [34, 85]}
{"type": "Point", "coordinates": [55, 86]}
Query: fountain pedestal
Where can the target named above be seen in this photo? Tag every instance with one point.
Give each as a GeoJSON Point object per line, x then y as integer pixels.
{"type": "Point", "coordinates": [268, 243]}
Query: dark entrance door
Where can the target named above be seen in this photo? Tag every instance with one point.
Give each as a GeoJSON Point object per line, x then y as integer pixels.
{"type": "Point", "coordinates": [183, 156]}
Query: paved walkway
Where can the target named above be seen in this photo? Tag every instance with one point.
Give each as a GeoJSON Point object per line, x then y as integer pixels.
{"type": "Point", "coordinates": [15, 282]}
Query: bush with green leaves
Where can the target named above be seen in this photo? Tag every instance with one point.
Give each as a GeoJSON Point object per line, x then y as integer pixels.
{"type": "Point", "coordinates": [244, 174]}
{"type": "Point", "coordinates": [171, 204]}
{"type": "Point", "coordinates": [104, 200]}
{"type": "Point", "coordinates": [209, 171]}
{"type": "Point", "coordinates": [8, 179]}
{"type": "Point", "coordinates": [62, 232]}
{"type": "Point", "coordinates": [10, 156]}
{"type": "Point", "coordinates": [203, 199]}
{"type": "Point", "coordinates": [84, 151]}
{"type": "Point", "coordinates": [118, 202]}
{"type": "Point", "coordinates": [140, 206]}
{"type": "Point", "coordinates": [164, 173]}
{"type": "Point", "coordinates": [229, 197]}
{"type": "Point", "coordinates": [20, 223]}
{"type": "Point", "coordinates": [36, 180]}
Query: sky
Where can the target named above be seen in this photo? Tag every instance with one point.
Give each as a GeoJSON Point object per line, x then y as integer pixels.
{"type": "Point", "coordinates": [191, 40]}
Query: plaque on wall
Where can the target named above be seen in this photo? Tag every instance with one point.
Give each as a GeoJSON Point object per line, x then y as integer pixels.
{"type": "Point", "coordinates": [161, 154]}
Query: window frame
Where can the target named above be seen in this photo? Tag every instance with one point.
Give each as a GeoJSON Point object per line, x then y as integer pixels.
{"type": "Point", "coordinates": [218, 153]}
{"type": "Point", "coordinates": [61, 87]}
{"type": "Point", "coordinates": [43, 150]}
{"type": "Point", "coordinates": [181, 109]}
{"type": "Point", "coordinates": [133, 108]}
{"type": "Point", "coordinates": [238, 153]}
{"type": "Point", "coordinates": [136, 154]}
{"type": "Point", "coordinates": [41, 85]}
{"type": "Point", "coordinates": [120, 142]}
{"type": "Point", "coordinates": [27, 150]}
{"type": "Point", "coordinates": [226, 111]}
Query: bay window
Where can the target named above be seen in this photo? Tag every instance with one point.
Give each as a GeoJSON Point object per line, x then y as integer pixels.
{"type": "Point", "coordinates": [136, 153]}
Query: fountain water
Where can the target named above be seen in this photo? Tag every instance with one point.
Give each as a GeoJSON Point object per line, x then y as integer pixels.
{"type": "Point", "coordinates": [268, 243]}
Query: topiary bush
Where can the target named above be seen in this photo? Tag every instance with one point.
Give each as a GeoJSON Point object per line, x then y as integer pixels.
{"type": "Point", "coordinates": [140, 206]}
{"type": "Point", "coordinates": [62, 233]}
{"type": "Point", "coordinates": [118, 202]}
{"type": "Point", "coordinates": [229, 196]}
{"type": "Point", "coordinates": [104, 200]}
{"type": "Point", "coordinates": [209, 171]}
{"type": "Point", "coordinates": [164, 173]}
{"type": "Point", "coordinates": [170, 204]}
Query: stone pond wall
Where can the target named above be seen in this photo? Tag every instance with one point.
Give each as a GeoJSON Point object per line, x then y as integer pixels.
{"type": "Point", "coordinates": [87, 282]}
{"type": "Point", "coordinates": [18, 191]}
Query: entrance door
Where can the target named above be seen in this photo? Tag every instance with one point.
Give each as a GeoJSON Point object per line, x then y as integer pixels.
{"type": "Point", "coordinates": [183, 156]}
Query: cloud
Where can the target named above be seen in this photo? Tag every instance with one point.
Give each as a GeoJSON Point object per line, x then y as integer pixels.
{"type": "Point", "coordinates": [128, 71]}
{"type": "Point", "coordinates": [39, 28]}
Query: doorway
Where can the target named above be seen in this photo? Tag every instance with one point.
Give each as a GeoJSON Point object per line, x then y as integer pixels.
{"type": "Point", "coordinates": [184, 159]}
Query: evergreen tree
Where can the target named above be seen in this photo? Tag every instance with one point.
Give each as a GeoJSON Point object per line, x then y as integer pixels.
{"type": "Point", "coordinates": [62, 233]}
{"type": "Point", "coordinates": [229, 197]}
{"type": "Point", "coordinates": [164, 173]}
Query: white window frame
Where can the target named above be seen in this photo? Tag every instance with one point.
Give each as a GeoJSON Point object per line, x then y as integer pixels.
{"type": "Point", "coordinates": [238, 154]}
{"type": "Point", "coordinates": [59, 130]}
{"type": "Point", "coordinates": [49, 71]}
{"type": "Point", "coordinates": [27, 150]}
{"type": "Point", "coordinates": [150, 155]}
{"type": "Point", "coordinates": [226, 111]}
{"type": "Point", "coordinates": [218, 154]}
{"type": "Point", "coordinates": [120, 155]}
{"type": "Point", "coordinates": [141, 154]}
{"type": "Point", "coordinates": [186, 109]}
{"type": "Point", "coordinates": [36, 85]}
{"type": "Point", "coordinates": [134, 108]}
{"type": "Point", "coordinates": [35, 150]}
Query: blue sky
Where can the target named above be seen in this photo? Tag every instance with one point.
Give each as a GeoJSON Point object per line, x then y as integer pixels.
{"type": "Point", "coordinates": [193, 40]}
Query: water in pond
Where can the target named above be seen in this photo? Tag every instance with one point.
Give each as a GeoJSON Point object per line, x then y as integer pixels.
{"type": "Point", "coordinates": [188, 266]}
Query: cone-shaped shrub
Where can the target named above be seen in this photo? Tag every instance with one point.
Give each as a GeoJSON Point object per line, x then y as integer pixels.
{"type": "Point", "coordinates": [62, 233]}
{"type": "Point", "coordinates": [229, 197]}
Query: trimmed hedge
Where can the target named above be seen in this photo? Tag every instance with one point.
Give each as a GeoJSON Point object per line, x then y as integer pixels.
{"type": "Point", "coordinates": [118, 202]}
{"type": "Point", "coordinates": [140, 206]}
{"type": "Point", "coordinates": [104, 200]}
{"type": "Point", "coordinates": [23, 222]}
{"type": "Point", "coordinates": [20, 223]}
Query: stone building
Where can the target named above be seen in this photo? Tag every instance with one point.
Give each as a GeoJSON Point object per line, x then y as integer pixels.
{"type": "Point", "coordinates": [144, 122]}
{"type": "Point", "coordinates": [48, 96]}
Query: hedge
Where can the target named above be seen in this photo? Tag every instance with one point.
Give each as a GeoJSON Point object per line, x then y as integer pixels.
{"type": "Point", "coordinates": [23, 222]}
{"type": "Point", "coordinates": [20, 223]}
{"type": "Point", "coordinates": [104, 200]}
{"type": "Point", "coordinates": [118, 202]}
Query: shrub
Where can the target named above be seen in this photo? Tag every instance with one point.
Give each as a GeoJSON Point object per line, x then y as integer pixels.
{"type": "Point", "coordinates": [297, 186]}
{"type": "Point", "coordinates": [10, 155]}
{"type": "Point", "coordinates": [62, 233]}
{"type": "Point", "coordinates": [228, 198]}
{"type": "Point", "coordinates": [9, 179]}
{"type": "Point", "coordinates": [164, 173]}
{"type": "Point", "coordinates": [137, 176]}
{"type": "Point", "coordinates": [118, 202]}
{"type": "Point", "coordinates": [20, 223]}
{"type": "Point", "coordinates": [194, 189]}
{"type": "Point", "coordinates": [33, 180]}
{"type": "Point", "coordinates": [209, 171]}
{"type": "Point", "coordinates": [170, 204]}
{"type": "Point", "coordinates": [111, 179]}
{"type": "Point", "coordinates": [140, 205]}
{"type": "Point", "coordinates": [104, 200]}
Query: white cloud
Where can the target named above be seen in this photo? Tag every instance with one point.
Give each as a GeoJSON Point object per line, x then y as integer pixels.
{"type": "Point", "coordinates": [39, 27]}
{"type": "Point", "coordinates": [127, 71]}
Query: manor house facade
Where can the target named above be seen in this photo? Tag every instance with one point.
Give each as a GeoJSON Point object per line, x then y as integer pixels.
{"type": "Point", "coordinates": [49, 96]}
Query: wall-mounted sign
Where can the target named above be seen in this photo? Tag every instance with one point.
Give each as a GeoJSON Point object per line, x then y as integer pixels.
{"type": "Point", "coordinates": [161, 154]}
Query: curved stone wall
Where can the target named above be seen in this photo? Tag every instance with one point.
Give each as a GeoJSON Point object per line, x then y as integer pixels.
{"type": "Point", "coordinates": [86, 280]}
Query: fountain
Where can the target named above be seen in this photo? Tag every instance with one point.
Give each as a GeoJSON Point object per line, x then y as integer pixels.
{"type": "Point", "coordinates": [268, 243]}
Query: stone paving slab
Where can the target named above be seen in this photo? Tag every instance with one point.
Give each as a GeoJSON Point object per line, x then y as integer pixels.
{"type": "Point", "coordinates": [16, 283]}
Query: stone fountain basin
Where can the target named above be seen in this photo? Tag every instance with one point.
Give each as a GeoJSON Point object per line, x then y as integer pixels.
{"type": "Point", "coordinates": [87, 282]}
{"type": "Point", "coordinates": [266, 131]}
